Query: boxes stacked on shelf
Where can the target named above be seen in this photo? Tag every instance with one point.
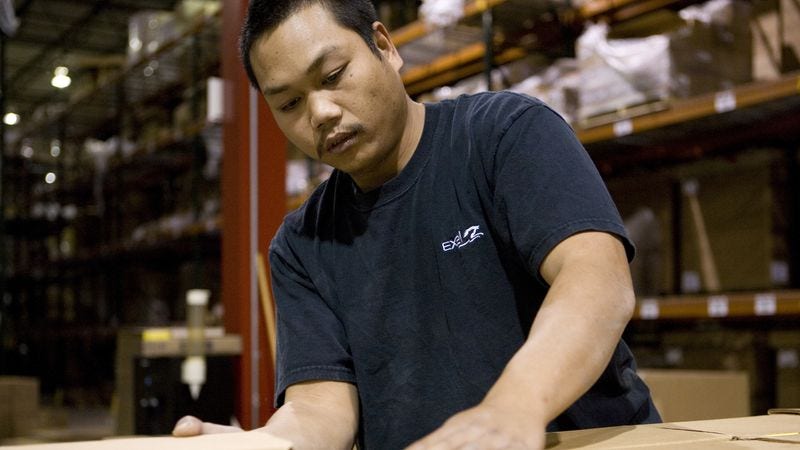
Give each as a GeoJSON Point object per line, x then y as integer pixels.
{"type": "Point", "coordinates": [698, 394]}
{"type": "Point", "coordinates": [786, 345]}
{"type": "Point", "coordinates": [19, 405]}
{"type": "Point", "coordinates": [713, 350]}
{"type": "Point", "coordinates": [705, 48]}
{"type": "Point", "coordinates": [647, 214]}
{"type": "Point", "coordinates": [711, 52]}
{"type": "Point", "coordinates": [743, 202]}
{"type": "Point", "coordinates": [776, 38]}
{"type": "Point", "coordinates": [148, 31]}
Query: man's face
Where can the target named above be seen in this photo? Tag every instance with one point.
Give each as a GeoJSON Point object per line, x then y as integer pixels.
{"type": "Point", "coordinates": [330, 94]}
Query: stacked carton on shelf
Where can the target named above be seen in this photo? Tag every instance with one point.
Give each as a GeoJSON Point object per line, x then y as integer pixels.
{"type": "Point", "coordinates": [19, 405]}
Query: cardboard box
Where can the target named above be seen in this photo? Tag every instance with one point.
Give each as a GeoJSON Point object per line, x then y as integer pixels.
{"type": "Point", "coordinates": [253, 440]}
{"type": "Point", "coordinates": [786, 345]}
{"type": "Point", "coordinates": [744, 203]}
{"type": "Point", "coordinates": [776, 38]}
{"type": "Point", "coordinates": [681, 395]}
{"type": "Point", "coordinates": [646, 202]}
{"type": "Point", "coordinates": [712, 350]}
{"type": "Point", "coordinates": [759, 432]}
{"type": "Point", "coordinates": [19, 405]}
{"type": "Point", "coordinates": [715, 55]}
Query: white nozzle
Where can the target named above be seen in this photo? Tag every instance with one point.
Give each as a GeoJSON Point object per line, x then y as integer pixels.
{"type": "Point", "coordinates": [193, 373]}
{"type": "Point", "coordinates": [197, 297]}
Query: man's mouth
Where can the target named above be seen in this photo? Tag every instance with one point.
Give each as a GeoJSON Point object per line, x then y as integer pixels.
{"type": "Point", "coordinates": [339, 142]}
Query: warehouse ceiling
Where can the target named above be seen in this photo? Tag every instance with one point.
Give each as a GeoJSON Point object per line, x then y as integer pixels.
{"type": "Point", "coordinates": [86, 36]}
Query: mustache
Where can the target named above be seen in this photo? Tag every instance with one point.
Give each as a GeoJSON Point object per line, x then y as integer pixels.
{"type": "Point", "coordinates": [351, 129]}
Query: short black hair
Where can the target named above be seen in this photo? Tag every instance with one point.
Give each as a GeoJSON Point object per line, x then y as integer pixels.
{"type": "Point", "coordinates": [265, 15]}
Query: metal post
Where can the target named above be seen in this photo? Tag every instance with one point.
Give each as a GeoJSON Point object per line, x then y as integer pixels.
{"type": "Point", "coordinates": [198, 156]}
{"type": "Point", "coordinates": [3, 254]}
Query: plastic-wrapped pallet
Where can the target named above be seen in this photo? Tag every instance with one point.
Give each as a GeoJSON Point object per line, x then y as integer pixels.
{"type": "Point", "coordinates": [619, 73]}
{"type": "Point", "coordinates": [705, 48]}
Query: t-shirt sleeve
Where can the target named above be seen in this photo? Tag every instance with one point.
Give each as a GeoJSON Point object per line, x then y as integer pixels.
{"type": "Point", "coordinates": [311, 342]}
{"type": "Point", "coordinates": [547, 187]}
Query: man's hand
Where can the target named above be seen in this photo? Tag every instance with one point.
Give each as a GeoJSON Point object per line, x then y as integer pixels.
{"type": "Point", "coordinates": [192, 426]}
{"type": "Point", "coordinates": [485, 426]}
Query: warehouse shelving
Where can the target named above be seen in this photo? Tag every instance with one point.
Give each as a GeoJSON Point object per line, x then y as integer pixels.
{"type": "Point", "coordinates": [763, 94]}
{"type": "Point", "coordinates": [470, 59]}
{"type": "Point", "coordinates": [100, 281]}
{"type": "Point", "coordinates": [114, 79]}
{"type": "Point", "coordinates": [764, 304]}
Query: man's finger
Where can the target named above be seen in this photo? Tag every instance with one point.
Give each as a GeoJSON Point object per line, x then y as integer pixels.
{"type": "Point", "coordinates": [188, 426]}
{"type": "Point", "coordinates": [192, 426]}
{"type": "Point", "coordinates": [213, 428]}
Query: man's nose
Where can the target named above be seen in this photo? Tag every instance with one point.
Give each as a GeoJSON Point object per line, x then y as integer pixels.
{"type": "Point", "coordinates": [323, 110]}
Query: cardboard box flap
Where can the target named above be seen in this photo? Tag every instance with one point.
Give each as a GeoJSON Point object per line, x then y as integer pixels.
{"type": "Point", "coordinates": [759, 432]}
{"type": "Point", "coordinates": [770, 428]}
{"type": "Point", "coordinates": [251, 440]}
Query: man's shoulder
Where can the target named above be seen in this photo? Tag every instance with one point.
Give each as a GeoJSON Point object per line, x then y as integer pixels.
{"type": "Point", "coordinates": [487, 113]}
{"type": "Point", "coordinates": [496, 102]}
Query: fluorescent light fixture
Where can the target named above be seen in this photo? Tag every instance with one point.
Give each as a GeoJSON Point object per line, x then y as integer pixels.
{"type": "Point", "coordinates": [61, 77]}
{"type": "Point", "coordinates": [11, 118]}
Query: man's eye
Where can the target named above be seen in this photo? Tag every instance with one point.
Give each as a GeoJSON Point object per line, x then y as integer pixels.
{"type": "Point", "coordinates": [333, 77]}
{"type": "Point", "coordinates": [288, 106]}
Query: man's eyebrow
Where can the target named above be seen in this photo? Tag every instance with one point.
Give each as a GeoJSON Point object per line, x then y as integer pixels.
{"type": "Point", "coordinates": [313, 67]}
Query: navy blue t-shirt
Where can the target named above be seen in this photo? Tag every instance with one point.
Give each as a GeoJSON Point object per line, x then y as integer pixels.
{"type": "Point", "coordinates": [419, 292]}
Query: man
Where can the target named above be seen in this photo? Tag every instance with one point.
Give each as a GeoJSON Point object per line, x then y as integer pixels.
{"type": "Point", "coordinates": [461, 280]}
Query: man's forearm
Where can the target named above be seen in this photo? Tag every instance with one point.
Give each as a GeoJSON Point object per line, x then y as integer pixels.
{"type": "Point", "coordinates": [308, 428]}
{"type": "Point", "coordinates": [571, 341]}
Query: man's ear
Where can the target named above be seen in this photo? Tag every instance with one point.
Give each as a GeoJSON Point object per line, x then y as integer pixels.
{"type": "Point", "coordinates": [383, 41]}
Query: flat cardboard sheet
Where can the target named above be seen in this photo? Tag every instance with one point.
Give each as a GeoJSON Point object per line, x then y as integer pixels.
{"type": "Point", "coordinates": [251, 440]}
{"type": "Point", "coordinates": [771, 432]}
{"type": "Point", "coordinates": [774, 431]}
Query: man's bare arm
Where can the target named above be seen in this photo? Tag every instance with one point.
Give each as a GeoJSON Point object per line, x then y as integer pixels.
{"type": "Point", "coordinates": [571, 341]}
{"type": "Point", "coordinates": [316, 415]}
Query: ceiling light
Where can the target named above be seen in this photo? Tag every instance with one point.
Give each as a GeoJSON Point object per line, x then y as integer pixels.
{"type": "Point", "coordinates": [55, 148]}
{"type": "Point", "coordinates": [11, 119]}
{"type": "Point", "coordinates": [27, 151]}
{"type": "Point", "coordinates": [61, 77]}
{"type": "Point", "coordinates": [50, 178]}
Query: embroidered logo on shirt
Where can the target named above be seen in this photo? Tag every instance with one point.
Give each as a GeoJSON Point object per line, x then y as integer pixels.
{"type": "Point", "coordinates": [468, 236]}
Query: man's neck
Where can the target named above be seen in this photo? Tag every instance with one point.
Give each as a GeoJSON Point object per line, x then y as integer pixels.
{"type": "Point", "coordinates": [412, 133]}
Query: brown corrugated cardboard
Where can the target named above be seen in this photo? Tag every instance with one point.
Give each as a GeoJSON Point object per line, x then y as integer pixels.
{"type": "Point", "coordinates": [645, 202]}
{"type": "Point", "coordinates": [759, 432]}
{"type": "Point", "coordinates": [253, 440]}
{"type": "Point", "coordinates": [19, 403]}
{"type": "Point", "coordinates": [776, 38]}
{"type": "Point", "coordinates": [786, 345]}
{"type": "Point", "coordinates": [743, 202]}
{"type": "Point", "coordinates": [683, 395]}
